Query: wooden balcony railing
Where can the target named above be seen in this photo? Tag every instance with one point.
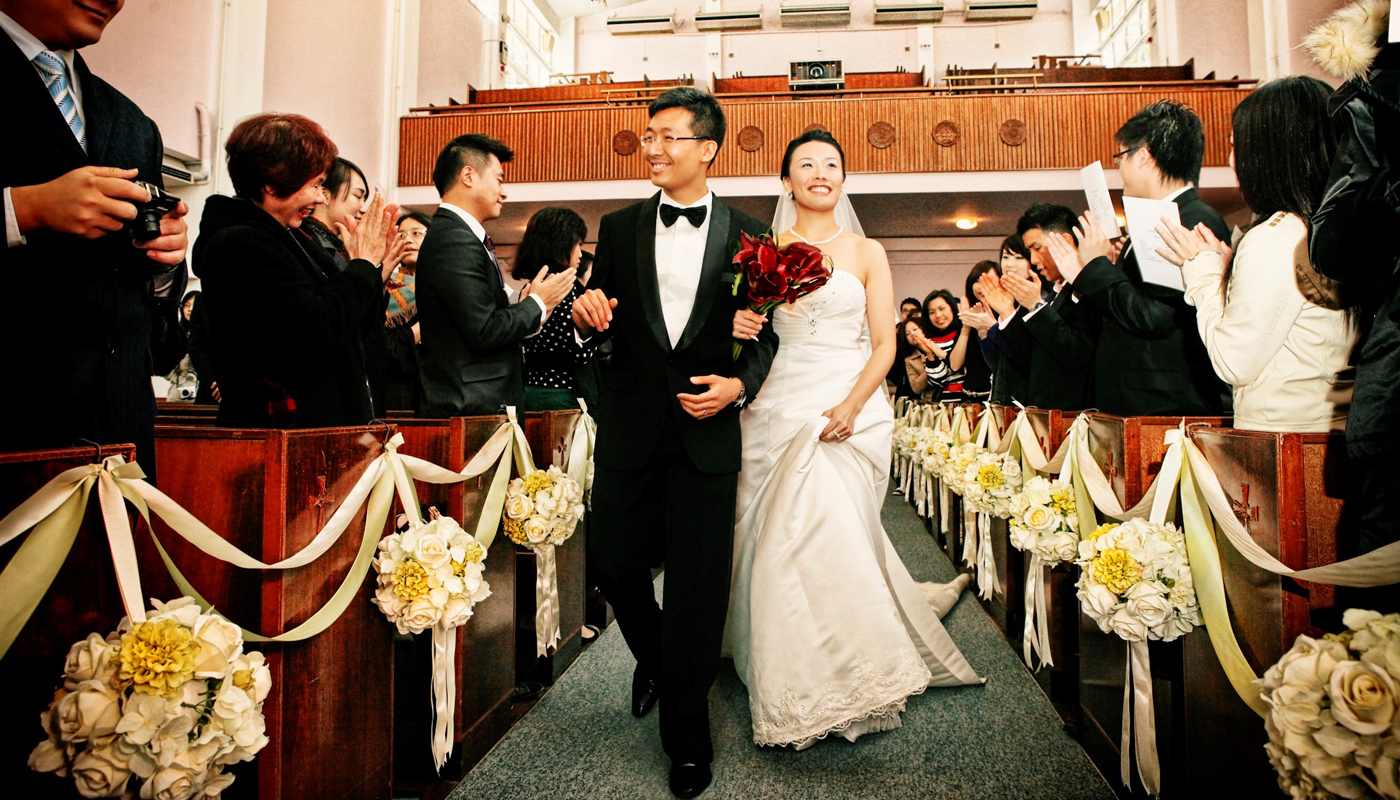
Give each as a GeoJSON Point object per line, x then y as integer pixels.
{"type": "Point", "coordinates": [881, 134]}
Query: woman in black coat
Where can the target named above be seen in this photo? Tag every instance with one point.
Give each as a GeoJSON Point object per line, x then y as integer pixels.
{"type": "Point", "coordinates": [284, 320]}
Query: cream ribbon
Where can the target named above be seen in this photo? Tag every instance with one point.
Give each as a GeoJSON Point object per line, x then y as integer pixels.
{"type": "Point", "coordinates": [1140, 722]}
{"type": "Point", "coordinates": [986, 559]}
{"type": "Point", "coordinates": [1035, 634]}
{"type": "Point", "coordinates": [546, 599]}
{"type": "Point", "coordinates": [581, 452]}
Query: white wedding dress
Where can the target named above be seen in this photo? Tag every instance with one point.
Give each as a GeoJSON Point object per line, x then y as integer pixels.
{"type": "Point", "coordinates": [826, 626]}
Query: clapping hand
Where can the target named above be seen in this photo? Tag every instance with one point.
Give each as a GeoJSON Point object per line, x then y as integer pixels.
{"type": "Point", "coordinates": [593, 311]}
{"type": "Point", "coordinates": [978, 318]}
{"type": "Point", "coordinates": [747, 324]}
{"type": "Point", "coordinates": [1026, 291]}
{"type": "Point", "coordinates": [1185, 244]}
{"type": "Point", "coordinates": [550, 288]}
{"type": "Point", "coordinates": [1067, 259]}
{"type": "Point", "coordinates": [374, 236]}
{"type": "Point", "coordinates": [1093, 243]}
{"type": "Point", "coordinates": [995, 295]}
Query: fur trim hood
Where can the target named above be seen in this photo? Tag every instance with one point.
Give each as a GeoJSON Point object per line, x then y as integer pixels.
{"type": "Point", "coordinates": [1348, 41]}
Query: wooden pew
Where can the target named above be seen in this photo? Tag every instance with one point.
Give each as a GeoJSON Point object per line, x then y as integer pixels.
{"type": "Point", "coordinates": [1130, 452]}
{"type": "Point", "coordinates": [83, 599]}
{"type": "Point", "coordinates": [1287, 489]}
{"type": "Point", "coordinates": [178, 413]}
{"type": "Point", "coordinates": [549, 434]}
{"type": "Point", "coordinates": [269, 492]}
{"type": "Point", "coordinates": [485, 645]}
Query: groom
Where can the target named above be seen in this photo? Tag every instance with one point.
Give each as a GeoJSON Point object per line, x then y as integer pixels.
{"type": "Point", "coordinates": [668, 449]}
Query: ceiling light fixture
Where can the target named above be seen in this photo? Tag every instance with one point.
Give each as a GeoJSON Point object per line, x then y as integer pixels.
{"type": "Point", "coordinates": [966, 223]}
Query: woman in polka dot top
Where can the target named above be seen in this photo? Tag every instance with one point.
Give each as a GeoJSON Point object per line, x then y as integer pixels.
{"type": "Point", "coordinates": [553, 238]}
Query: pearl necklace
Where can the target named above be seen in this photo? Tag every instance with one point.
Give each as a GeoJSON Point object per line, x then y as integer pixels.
{"type": "Point", "coordinates": [839, 231]}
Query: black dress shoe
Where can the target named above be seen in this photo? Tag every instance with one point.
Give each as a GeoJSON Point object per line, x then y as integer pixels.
{"type": "Point", "coordinates": [643, 693]}
{"type": "Point", "coordinates": [689, 780]}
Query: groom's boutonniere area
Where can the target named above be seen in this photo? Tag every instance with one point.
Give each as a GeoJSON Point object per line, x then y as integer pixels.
{"type": "Point", "coordinates": [776, 275]}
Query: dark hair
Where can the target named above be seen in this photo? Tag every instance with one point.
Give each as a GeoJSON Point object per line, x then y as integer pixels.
{"type": "Point", "coordinates": [814, 135]}
{"type": "Point", "coordinates": [927, 322]}
{"type": "Point", "coordinates": [1048, 218]}
{"type": "Point", "coordinates": [1173, 134]}
{"type": "Point", "coordinates": [338, 177]}
{"type": "Point", "coordinates": [908, 300]}
{"type": "Point", "coordinates": [416, 216]}
{"type": "Point", "coordinates": [1284, 144]}
{"type": "Point", "coordinates": [707, 118]}
{"type": "Point", "coordinates": [283, 152]}
{"type": "Point", "coordinates": [468, 150]}
{"type": "Point", "coordinates": [1014, 244]}
{"type": "Point", "coordinates": [978, 270]}
{"type": "Point", "coordinates": [549, 241]}
{"type": "Point", "coordinates": [902, 348]}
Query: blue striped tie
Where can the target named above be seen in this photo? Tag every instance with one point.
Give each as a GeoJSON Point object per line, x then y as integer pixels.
{"type": "Point", "coordinates": [56, 79]}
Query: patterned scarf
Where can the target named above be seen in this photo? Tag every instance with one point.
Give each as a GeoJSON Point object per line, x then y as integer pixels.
{"type": "Point", "coordinates": [403, 302]}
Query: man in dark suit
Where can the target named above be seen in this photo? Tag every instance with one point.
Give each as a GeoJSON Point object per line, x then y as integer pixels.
{"type": "Point", "coordinates": [1151, 360]}
{"type": "Point", "coordinates": [469, 359]}
{"type": "Point", "coordinates": [74, 147]}
{"type": "Point", "coordinates": [668, 450]}
{"type": "Point", "coordinates": [1055, 338]}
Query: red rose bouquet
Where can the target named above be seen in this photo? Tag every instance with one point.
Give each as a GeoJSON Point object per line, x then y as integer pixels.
{"type": "Point", "coordinates": [776, 275]}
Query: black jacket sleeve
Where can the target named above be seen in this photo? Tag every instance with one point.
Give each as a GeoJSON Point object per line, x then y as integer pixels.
{"type": "Point", "coordinates": [1069, 346]}
{"type": "Point", "coordinates": [468, 292]}
{"type": "Point", "coordinates": [1361, 201]}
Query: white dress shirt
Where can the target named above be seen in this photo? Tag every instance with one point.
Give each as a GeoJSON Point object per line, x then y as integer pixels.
{"type": "Point", "coordinates": [680, 255]}
{"type": "Point", "coordinates": [31, 47]}
{"type": "Point", "coordinates": [479, 231]}
{"type": "Point", "coordinates": [1286, 358]}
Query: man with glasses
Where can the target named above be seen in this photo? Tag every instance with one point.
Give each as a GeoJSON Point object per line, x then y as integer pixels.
{"type": "Point", "coordinates": [1150, 359]}
{"type": "Point", "coordinates": [668, 449]}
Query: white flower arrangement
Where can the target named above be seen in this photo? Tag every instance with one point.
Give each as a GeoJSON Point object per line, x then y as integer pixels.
{"type": "Point", "coordinates": [990, 483]}
{"type": "Point", "coordinates": [542, 508]}
{"type": "Point", "coordinates": [1334, 711]}
{"type": "Point", "coordinates": [1136, 581]}
{"type": "Point", "coordinates": [934, 449]}
{"type": "Point", "coordinates": [430, 574]}
{"type": "Point", "coordinates": [1044, 519]}
{"type": "Point", "coordinates": [953, 471]}
{"type": "Point", "coordinates": [157, 709]}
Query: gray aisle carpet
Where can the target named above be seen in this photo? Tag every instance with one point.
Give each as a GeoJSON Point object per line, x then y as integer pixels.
{"type": "Point", "coordinates": [998, 741]}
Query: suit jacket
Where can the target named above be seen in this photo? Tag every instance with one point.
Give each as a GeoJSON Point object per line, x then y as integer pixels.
{"type": "Point", "coordinates": [1010, 377]}
{"type": "Point", "coordinates": [1058, 343]}
{"type": "Point", "coordinates": [1151, 360]}
{"type": "Point", "coordinates": [84, 336]}
{"type": "Point", "coordinates": [469, 361]}
{"type": "Point", "coordinates": [284, 322]}
{"type": "Point", "coordinates": [640, 384]}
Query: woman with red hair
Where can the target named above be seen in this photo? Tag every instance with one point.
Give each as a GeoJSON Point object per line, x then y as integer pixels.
{"type": "Point", "coordinates": [283, 319]}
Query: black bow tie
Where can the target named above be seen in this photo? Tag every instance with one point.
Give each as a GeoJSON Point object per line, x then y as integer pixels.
{"type": "Point", "coordinates": [670, 213]}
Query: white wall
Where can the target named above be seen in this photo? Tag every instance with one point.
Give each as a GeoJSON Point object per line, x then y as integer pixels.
{"type": "Point", "coordinates": [452, 37]}
{"type": "Point", "coordinates": [862, 46]}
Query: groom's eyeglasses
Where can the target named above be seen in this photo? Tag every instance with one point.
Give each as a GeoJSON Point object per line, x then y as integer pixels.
{"type": "Point", "coordinates": [648, 140]}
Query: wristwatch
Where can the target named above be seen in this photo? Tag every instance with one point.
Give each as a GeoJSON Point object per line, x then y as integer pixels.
{"type": "Point", "coordinates": [1039, 304]}
{"type": "Point", "coordinates": [743, 394]}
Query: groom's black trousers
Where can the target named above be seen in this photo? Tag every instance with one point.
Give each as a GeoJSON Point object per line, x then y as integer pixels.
{"type": "Point", "coordinates": [669, 512]}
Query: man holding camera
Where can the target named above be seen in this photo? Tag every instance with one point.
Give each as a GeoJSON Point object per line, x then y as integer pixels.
{"type": "Point", "coordinates": [88, 231]}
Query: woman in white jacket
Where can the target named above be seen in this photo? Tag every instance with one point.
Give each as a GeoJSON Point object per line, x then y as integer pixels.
{"type": "Point", "coordinates": [1276, 330]}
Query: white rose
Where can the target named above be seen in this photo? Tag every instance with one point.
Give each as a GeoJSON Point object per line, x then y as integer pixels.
{"type": "Point", "coordinates": [546, 504]}
{"type": "Point", "coordinates": [1022, 538]}
{"type": "Point", "coordinates": [419, 616]}
{"type": "Point", "coordinates": [144, 714]}
{"type": "Point", "coordinates": [519, 506]}
{"type": "Point", "coordinates": [49, 756]}
{"type": "Point", "coordinates": [390, 603]}
{"type": "Point", "coordinates": [1040, 519]}
{"type": "Point", "coordinates": [1058, 547]}
{"type": "Point", "coordinates": [431, 550]}
{"type": "Point", "coordinates": [1128, 627]}
{"type": "Point", "coordinates": [91, 710]}
{"type": "Point", "coordinates": [573, 493]}
{"type": "Point", "coordinates": [1386, 656]}
{"type": "Point", "coordinates": [1037, 492]}
{"type": "Point", "coordinates": [456, 613]}
{"type": "Point", "coordinates": [1363, 697]}
{"type": "Point", "coordinates": [250, 673]}
{"type": "Point", "coordinates": [217, 784]}
{"type": "Point", "coordinates": [1147, 602]}
{"type": "Point", "coordinates": [89, 659]}
{"type": "Point", "coordinates": [1099, 601]}
{"type": "Point", "coordinates": [220, 642]}
{"type": "Point", "coordinates": [536, 530]}
{"type": "Point", "coordinates": [1310, 662]}
{"type": "Point", "coordinates": [170, 783]}
{"type": "Point", "coordinates": [182, 610]}
{"type": "Point", "coordinates": [101, 772]}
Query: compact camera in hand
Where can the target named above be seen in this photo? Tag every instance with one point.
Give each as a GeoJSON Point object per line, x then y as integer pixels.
{"type": "Point", "coordinates": [146, 226]}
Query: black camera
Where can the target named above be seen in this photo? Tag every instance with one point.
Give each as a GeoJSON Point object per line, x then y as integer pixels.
{"type": "Point", "coordinates": [146, 226]}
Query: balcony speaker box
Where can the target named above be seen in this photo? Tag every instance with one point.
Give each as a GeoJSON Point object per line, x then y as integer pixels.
{"type": "Point", "coordinates": [905, 13]}
{"type": "Point", "coordinates": [815, 75]}
{"type": "Point", "coordinates": [818, 15]}
{"type": "Point", "coordinates": [631, 25]}
{"type": "Point", "coordinates": [999, 10]}
{"type": "Point", "coordinates": [729, 21]}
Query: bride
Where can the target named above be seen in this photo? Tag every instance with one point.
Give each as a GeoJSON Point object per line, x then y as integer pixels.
{"type": "Point", "coordinates": [826, 626]}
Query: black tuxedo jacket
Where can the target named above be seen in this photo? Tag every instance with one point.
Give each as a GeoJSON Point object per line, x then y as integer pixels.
{"type": "Point", "coordinates": [1151, 360]}
{"type": "Point", "coordinates": [469, 362]}
{"type": "Point", "coordinates": [640, 384]}
{"type": "Point", "coordinates": [81, 321]}
{"type": "Point", "coordinates": [1058, 343]}
{"type": "Point", "coordinates": [284, 321]}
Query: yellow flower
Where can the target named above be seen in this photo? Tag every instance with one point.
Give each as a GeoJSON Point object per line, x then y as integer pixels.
{"type": "Point", "coordinates": [475, 553]}
{"type": "Point", "coordinates": [989, 476]}
{"type": "Point", "coordinates": [243, 679]}
{"type": "Point", "coordinates": [410, 580]}
{"type": "Point", "coordinates": [1100, 531]}
{"type": "Point", "coordinates": [156, 658]}
{"type": "Point", "coordinates": [1116, 570]}
{"type": "Point", "coordinates": [514, 530]}
{"type": "Point", "coordinates": [1063, 501]}
{"type": "Point", "coordinates": [538, 481]}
